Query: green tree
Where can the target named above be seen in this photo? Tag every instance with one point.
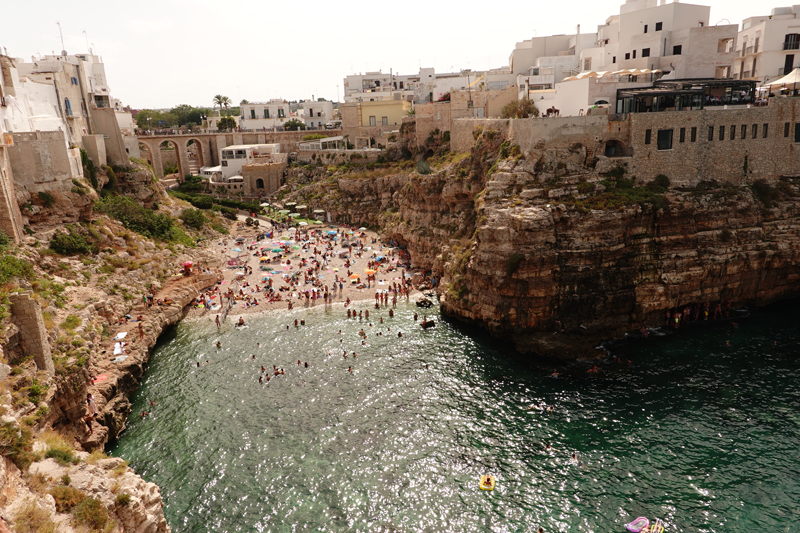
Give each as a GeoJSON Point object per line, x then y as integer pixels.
{"type": "Point", "coordinates": [226, 123]}
{"type": "Point", "coordinates": [244, 102]}
{"type": "Point", "coordinates": [294, 125]}
{"type": "Point", "coordinates": [519, 109]}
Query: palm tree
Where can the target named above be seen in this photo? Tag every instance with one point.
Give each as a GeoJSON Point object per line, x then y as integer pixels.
{"type": "Point", "coordinates": [222, 102]}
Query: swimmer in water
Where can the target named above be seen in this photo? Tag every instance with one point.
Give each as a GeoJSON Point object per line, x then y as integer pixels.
{"type": "Point", "coordinates": [350, 369]}
{"type": "Point", "coordinates": [219, 344]}
{"type": "Point", "coordinates": [399, 333]}
{"type": "Point", "coordinates": [298, 362]}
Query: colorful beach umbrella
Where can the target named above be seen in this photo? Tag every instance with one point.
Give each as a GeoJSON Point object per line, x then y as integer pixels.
{"type": "Point", "coordinates": [354, 276]}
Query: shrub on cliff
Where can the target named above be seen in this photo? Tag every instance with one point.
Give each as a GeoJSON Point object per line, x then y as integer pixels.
{"type": "Point", "coordinates": [16, 443]}
{"type": "Point", "coordinates": [136, 218]}
{"type": "Point", "coordinates": [33, 519]}
{"type": "Point", "coordinates": [66, 497]}
{"type": "Point", "coordinates": [91, 513]}
{"type": "Point", "coordinates": [193, 218]}
{"type": "Point", "coordinates": [70, 243]}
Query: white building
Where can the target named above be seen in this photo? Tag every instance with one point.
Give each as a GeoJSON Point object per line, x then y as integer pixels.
{"type": "Point", "coordinates": [233, 158]}
{"type": "Point", "coordinates": [317, 114]}
{"type": "Point", "coordinates": [768, 46]}
{"type": "Point", "coordinates": [541, 62]}
{"type": "Point", "coordinates": [264, 115]}
{"type": "Point", "coordinates": [656, 35]}
{"type": "Point", "coordinates": [427, 86]}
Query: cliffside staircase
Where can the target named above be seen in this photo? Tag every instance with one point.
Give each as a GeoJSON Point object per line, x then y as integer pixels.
{"type": "Point", "coordinates": [194, 167]}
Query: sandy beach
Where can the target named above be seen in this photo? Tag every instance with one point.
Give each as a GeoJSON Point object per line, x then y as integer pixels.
{"type": "Point", "coordinates": [250, 257]}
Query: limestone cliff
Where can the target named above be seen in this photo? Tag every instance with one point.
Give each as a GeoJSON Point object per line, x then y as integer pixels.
{"type": "Point", "coordinates": [559, 249]}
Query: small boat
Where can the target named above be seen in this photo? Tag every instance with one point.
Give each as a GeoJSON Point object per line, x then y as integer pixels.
{"type": "Point", "coordinates": [637, 525]}
{"type": "Point", "coordinates": [486, 483]}
{"type": "Point", "coordinates": [428, 324]}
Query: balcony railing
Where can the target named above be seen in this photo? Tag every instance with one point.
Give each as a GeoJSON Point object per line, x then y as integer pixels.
{"type": "Point", "coordinates": [791, 45]}
{"type": "Point", "coordinates": [746, 74]}
{"type": "Point", "coordinates": [749, 50]}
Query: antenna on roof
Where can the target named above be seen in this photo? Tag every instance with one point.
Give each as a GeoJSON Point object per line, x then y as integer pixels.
{"type": "Point", "coordinates": [87, 41]}
{"type": "Point", "coordinates": [63, 48]}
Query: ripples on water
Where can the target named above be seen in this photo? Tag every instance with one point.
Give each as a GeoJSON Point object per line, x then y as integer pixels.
{"type": "Point", "coordinates": [704, 436]}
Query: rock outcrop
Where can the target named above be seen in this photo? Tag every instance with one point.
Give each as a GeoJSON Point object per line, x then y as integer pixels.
{"type": "Point", "coordinates": [543, 249]}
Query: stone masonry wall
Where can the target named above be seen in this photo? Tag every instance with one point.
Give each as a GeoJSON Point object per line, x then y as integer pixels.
{"type": "Point", "coordinates": [727, 157]}
{"type": "Point", "coordinates": [27, 315]}
{"type": "Point", "coordinates": [337, 157]}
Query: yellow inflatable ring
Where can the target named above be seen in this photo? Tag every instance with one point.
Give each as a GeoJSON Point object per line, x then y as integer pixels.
{"type": "Point", "coordinates": [486, 483]}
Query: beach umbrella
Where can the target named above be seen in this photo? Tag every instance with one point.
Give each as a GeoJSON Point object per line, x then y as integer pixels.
{"type": "Point", "coordinates": [264, 259]}
{"type": "Point", "coordinates": [354, 276]}
{"type": "Point", "coordinates": [237, 249]}
{"type": "Point", "coordinates": [277, 250]}
{"type": "Point", "coordinates": [295, 247]}
{"type": "Point", "coordinates": [265, 204]}
{"type": "Point", "coordinates": [294, 215]}
{"type": "Point", "coordinates": [317, 222]}
{"type": "Point", "coordinates": [283, 211]}
{"type": "Point", "coordinates": [331, 233]}
{"type": "Point", "coordinates": [304, 223]}
{"type": "Point", "coordinates": [362, 229]}
{"type": "Point", "coordinates": [350, 233]}
{"type": "Point", "coordinates": [369, 271]}
{"type": "Point", "coordinates": [188, 264]}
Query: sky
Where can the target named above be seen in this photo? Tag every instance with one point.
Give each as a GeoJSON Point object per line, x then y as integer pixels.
{"type": "Point", "coordinates": [162, 53]}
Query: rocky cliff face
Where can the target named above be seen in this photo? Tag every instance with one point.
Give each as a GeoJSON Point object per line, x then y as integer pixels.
{"type": "Point", "coordinates": [558, 250]}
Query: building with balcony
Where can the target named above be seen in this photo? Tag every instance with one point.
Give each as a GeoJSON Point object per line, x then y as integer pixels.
{"type": "Point", "coordinates": [264, 115]}
{"type": "Point", "coordinates": [317, 114]}
{"type": "Point", "coordinates": [427, 86]}
{"type": "Point", "coordinates": [674, 38]}
{"type": "Point", "coordinates": [233, 158]}
{"type": "Point", "coordinates": [768, 46]}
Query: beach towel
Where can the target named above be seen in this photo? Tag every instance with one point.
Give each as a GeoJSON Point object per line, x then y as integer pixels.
{"type": "Point", "coordinates": [121, 335]}
{"type": "Point", "coordinates": [119, 359]}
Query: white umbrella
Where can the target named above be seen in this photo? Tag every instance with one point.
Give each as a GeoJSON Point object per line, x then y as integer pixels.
{"type": "Point", "coordinates": [790, 79]}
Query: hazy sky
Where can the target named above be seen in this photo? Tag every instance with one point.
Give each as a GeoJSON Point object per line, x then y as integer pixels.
{"type": "Point", "coordinates": [169, 52]}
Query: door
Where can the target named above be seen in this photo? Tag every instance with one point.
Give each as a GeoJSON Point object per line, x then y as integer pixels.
{"type": "Point", "coordinates": [787, 66]}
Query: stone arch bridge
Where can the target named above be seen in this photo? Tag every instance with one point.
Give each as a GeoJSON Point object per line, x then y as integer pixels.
{"type": "Point", "coordinates": [207, 146]}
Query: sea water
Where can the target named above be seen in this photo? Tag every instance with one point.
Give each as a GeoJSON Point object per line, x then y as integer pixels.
{"type": "Point", "coordinates": [700, 427]}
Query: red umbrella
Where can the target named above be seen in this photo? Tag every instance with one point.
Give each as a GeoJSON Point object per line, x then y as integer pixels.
{"type": "Point", "coordinates": [188, 264]}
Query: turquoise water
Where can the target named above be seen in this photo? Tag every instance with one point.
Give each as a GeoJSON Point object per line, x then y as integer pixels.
{"type": "Point", "coordinates": [702, 435]}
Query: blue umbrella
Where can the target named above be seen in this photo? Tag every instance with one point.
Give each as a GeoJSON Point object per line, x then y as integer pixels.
{"type": "Point", "coordinates": [332, 233]}
{"type": "Point", "coordinates": [237, 250]}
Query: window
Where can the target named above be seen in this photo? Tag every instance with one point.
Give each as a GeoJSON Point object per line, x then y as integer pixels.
{"type": "Point", "coordinates": [677, 49]}
{"type": "Point", "coordinates": [665, 139]}
{"type": "Point", "coordinates": [764, 135]}
{"type": "Point", "coordinates": [755, 131]}
{"type": "Point", "coordinates": [733, 132]}
{"type": "Point", "coordinates": [614, 59]}
{"type": "Point", "coordinates": [634, 54]}
{"type": "Point", "coordinates": [67, 107]}
{"type": "Point", "coordinates": [281, 113]}
{"type": "Point", "coordinates": [628, 55]}
{"type": "Point", "coordinates": [645, 52]}
{"type": "Point", "coordinates": [266, 112]}
{"type": "Point", "coordinates": [252, 113]}
{"type": "Point", "coordinates": [744, 131]}
{"type": "Point", "coordinates": [797, 132]}
{"type": "Point", "coordinates": [659, 25]}
{"type": "Point", "coordinates": [710, 133]}
{"type": "Point", "coordinates": [224, 163]}
{"type": "Point", "coordinates": [694, 134]}
{"type": "Point", "coordinates": [722, 133]}
{"type": "Point", "coordinates": [786, 130]}
{"type": "Point", "coordinates": [372, 121]}
{"type": "Point", "coordinates": [645, 28]}
{"type": "Point", "coordinates": [384, 121]}
{"type": "Point", "coordinates": [683, 135]}
{"type": "Point", "coordinates": [647, 136]}
{"type": "Point", "coordinates": [791, 41]}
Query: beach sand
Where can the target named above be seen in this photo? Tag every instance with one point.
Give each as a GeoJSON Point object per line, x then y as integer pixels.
{"type": "Point", "coordinates": [250, 249]}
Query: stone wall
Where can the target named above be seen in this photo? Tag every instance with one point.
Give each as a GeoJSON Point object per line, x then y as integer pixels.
{"type": "Point", "coordinates": [731, 159]}
{"type": "Point", "coordinates": [27, 316]}
{"type": "Point", "coordinates": [41, 161]}
{"type": "Point", "coordinates": [270, 174]}
{"type": "Point", "coordinates": [430, 117]}
{"type": "Point", "coordinates": [105, 121]}
{"type": "Point", "coordinates": [10, 217]}
{"type": "Point", "coordinates": [338, 157]}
